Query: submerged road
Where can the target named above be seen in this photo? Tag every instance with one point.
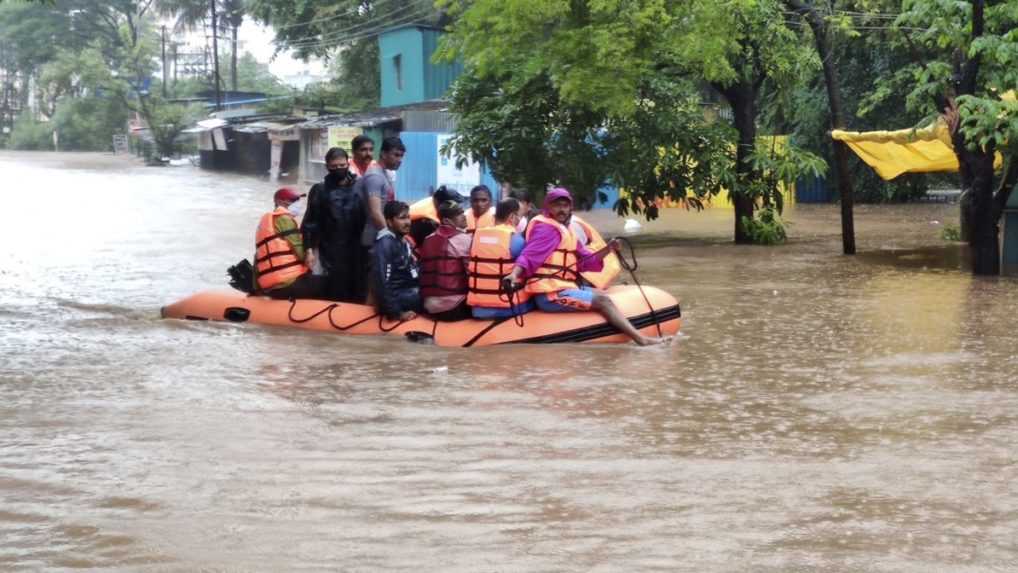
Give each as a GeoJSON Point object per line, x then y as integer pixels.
{"type": "Point", "coordinates": [819, 413]}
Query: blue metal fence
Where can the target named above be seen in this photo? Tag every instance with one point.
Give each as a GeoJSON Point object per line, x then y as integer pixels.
{"type": "Point", "coordinates": [810, 189]}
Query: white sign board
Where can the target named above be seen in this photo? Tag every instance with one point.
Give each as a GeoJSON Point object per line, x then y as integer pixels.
{"type": "Point", "coordinates": [462, 179]}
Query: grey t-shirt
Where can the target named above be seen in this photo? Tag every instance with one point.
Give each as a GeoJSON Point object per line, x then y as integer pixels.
{"type": "Point", "coordinates": [374, 183]}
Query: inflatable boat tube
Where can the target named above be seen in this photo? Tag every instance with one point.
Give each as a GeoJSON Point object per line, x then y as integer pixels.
{"type": "Point", "coordinates": [538, 327]}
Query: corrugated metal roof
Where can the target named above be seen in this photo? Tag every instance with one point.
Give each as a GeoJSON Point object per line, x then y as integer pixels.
{"type": "Point", "coordinates": [374, 117]}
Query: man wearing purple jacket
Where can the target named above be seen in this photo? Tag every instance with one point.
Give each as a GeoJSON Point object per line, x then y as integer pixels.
{"type": "Point", "coordinates": [551, 263]}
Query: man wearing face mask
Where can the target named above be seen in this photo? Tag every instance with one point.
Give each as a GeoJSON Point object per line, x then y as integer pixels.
{"type": "Point", "coordinates": [281, 269]}
{"type": "Point", "coordinates": [332, 229]}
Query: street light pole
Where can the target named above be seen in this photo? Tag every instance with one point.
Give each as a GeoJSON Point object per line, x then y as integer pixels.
{"type": "Point", "coordinates": [215, 55]}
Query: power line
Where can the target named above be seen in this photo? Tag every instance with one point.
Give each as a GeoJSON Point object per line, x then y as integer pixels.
{"type": "Point", "coordinates": [356, 28]}
{"type": "Point", "coordinates": [364, 32]}
{"type": "Point", "coordinates": [333, 17]}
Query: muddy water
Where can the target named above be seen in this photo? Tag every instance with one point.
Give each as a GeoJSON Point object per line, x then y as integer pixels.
{"type": "Point", "coordinates": [818, 412]}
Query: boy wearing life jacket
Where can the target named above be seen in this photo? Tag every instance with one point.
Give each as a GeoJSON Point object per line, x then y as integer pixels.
{"type": "Point", "coordinates": [482, 213]}
{"type": "Point", "coordinates": [552, 260]}
{"type": "Point", "coordinates": [280, 265]}
{"type": "Point", "coordinates": [394, 269]}
{"type": "Point", "coordinates": [492, 257]}
{"type": "Point", "coordinates": [444, 256]}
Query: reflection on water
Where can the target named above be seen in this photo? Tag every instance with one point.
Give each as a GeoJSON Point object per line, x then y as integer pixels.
{"type": "Point", "coordinates": [818, 413]}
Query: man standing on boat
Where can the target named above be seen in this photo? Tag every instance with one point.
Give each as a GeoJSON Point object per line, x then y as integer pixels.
{"type": "Point", "coordinates": [551, 262]}
{"type": "Point", "coordinates": [332, 228]}
{"type": "Point", "coordinates": [376, 188]}
{"type": "Point", "coordinates": [363, 155]}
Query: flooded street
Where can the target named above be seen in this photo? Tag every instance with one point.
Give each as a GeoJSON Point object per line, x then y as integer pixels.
{"type": "Point", "coordinates": [818, 412]}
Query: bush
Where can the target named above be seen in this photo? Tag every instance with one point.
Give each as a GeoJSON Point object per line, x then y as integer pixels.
{"type": "Point", "coordinates": [31, 135]}
{"type": "Point", "coordinates": [951, 233]}
{"type": "Point", "coordinates": [88, 124]}
{"type": "Point", "coordinates": [766, 228]}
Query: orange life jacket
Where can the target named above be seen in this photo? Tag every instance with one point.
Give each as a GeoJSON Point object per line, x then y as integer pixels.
{"type": "Point", "coordinates": [275, 259]}
{"type": "Point", "coordinates": [612, 267]}
{"type": "Point", "coordinates": [424, 209]}
{"type": "Point", "coordinates": [558, 271]}
{"type": "Point", "coordinates": [485, 220]}
{"type": "Point", "coordinates": [490, 260]}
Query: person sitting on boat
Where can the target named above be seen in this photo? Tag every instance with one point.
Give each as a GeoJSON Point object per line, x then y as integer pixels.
{"type": "Point", "coordinates": [281, 270]}
{"type": "Point", "coordinates": [424, 213]}
{"type": "Point", "coordinates": [492, 256]}
{"type": "Point", "coordinates": [552, 260]}
{"type": "Point", "coordinates": [482, 212]}
{"type": "Point", "coordinates": [527, 210]}
{"type": "Point", "coordinates": [394, 268]}
{"type": "Point", "coordinates": [444, 255]}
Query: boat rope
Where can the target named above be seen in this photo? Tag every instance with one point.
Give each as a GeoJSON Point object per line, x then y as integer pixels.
{"type": "Point", "coordinates": [328, 309]}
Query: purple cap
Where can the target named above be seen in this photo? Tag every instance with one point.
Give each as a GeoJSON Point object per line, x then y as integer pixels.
{"type": "Point", "coordinates": [555, 194]}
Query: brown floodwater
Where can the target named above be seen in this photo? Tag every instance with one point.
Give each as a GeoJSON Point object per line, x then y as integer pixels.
{"type": "Point", "coordinates": [817, 413]}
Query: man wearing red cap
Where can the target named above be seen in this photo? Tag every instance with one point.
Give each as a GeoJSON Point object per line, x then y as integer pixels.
{"type": "Point", "coordinates": [552, 260]}
{"type": "Point", "coordinates": [281, 265]}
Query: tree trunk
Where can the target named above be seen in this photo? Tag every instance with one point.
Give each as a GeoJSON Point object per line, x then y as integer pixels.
{"type": "Point", "coordinates": [983, 228]}
{"type": "Point", "coordinates": [743, 103]}
{"type": "Point", "coordinates": [837, 117]}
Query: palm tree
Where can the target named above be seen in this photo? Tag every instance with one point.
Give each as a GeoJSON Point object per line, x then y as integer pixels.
{"type": "Point", "coordinates": [192, 14]}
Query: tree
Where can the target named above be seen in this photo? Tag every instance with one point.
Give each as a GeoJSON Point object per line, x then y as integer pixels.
{"type": "Point", "coordinates": [193, 14]}
{"type": "Point", "coordinates": [344, 31]}
{"type": "Point", "coordinates": [608, 58]}
{"type": "Point", "coordinates": [967, 51]}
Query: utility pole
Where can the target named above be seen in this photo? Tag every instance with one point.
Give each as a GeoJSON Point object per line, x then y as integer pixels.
{"type": "Point", "coordinates": [165, 71]}
{"type": "Point", "coordinates": [173, 48]}
{"type": "Point", "coordinates": [215, 55]}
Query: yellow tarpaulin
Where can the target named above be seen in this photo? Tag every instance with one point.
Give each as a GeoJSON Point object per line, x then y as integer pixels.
{"type": "Point", "coordinates": [891, 153]}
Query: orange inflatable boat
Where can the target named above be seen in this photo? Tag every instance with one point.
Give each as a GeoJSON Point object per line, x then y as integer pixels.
{"type": "Point", "coordinates": [660, 316]}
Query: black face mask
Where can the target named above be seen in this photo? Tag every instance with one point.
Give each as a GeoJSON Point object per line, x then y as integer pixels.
{"type": "Point", "coordinates": [336, 176]}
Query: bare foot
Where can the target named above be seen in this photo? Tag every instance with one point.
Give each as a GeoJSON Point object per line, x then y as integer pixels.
{"type": "Point", "coordinates": [649, 341]}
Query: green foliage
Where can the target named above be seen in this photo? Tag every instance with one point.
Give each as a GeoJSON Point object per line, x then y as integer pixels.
{"type": "Point", "coordinates": [255, 76]}
{"type": "Point", "coordinates": [31, 135]}
{"type": "Point", "coordinates": [88, 123]}
{"type": "Point", "coordinates": [766, 228]}
{"type": "Point", "coordinates": [778, 167]}
{"type": "Point", "coordinates": [951, 233]}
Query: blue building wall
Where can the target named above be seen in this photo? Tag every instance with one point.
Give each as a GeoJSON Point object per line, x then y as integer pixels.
{"type": "Point", "coordinates": [422, 80]}
{"type": "Point", "coordinates": [418, 175]}
{"type": "Point", "coordinates": [438, 78]}
{"type": "Point", "coordinates": [406, 44]}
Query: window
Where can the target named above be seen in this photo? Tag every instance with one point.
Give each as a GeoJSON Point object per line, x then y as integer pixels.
{"type": "Point", "coordinates": [397, 62]}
